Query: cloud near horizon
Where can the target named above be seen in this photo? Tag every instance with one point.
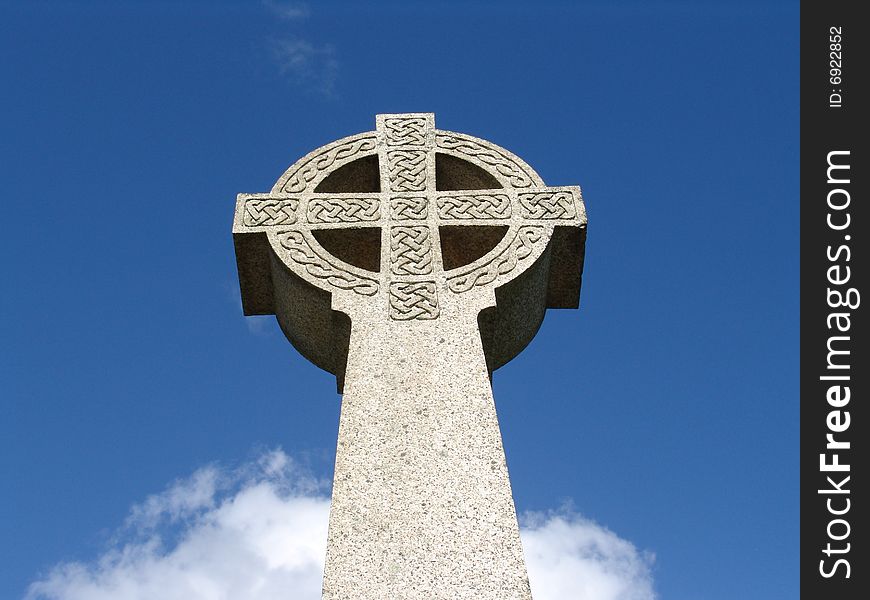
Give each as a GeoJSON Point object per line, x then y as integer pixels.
{"type": "Point", "coordinates": [259, 532]}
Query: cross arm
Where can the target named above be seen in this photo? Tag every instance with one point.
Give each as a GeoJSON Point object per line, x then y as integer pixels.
{"type": "Point", "coordinates": [563, 209]}
{"type": "Point", "coordinates": [258, 214]}
{"type": "Point", "coordinates": [557, 209]}
{"type": "Point", "coordinates": [561, 206]}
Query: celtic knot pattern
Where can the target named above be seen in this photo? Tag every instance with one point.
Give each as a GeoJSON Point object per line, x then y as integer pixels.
{"type": "Point", "coordinates": [506, 167]}
{"type": "Point", "coordinates": [407, 170]}
{"type": "Point", "coordinates": [408, 208]}
{"type": "Point", "coordinates": [399, 206]}
{"type": "Point", "coordinates": [301, 252]}
{"type": "Point", "coordinates": [343, 210]}
{"type": "Point", "coordinates": [405, 131]}
{"type": "Point", "coordinates": [268, 211]}
{"type": "Point", "coordinates": [548, 205]}
{"type": "Point", "coordinates": [520, 248]}
{"type": "Point", "coordinates": [363, 220]}
{"type": "Point", "coordinates": [410, 251]}
{"type": "Point", "coordinates": [413, 300]}
{"type": "Point", "coordinates": [475, 206]}
{"type": "Point", "coordinates": [307, 172]}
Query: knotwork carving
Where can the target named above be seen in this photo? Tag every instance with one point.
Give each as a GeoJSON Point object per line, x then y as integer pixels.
{"type": "Point", "coordinates": [548, 205]}
{"type": "Point", "coordinates": [413, 300]}
{"type": "Point", "coordinates": [406, 208]}
{"type": "Point", "coordinates": [269, 211]}
{"type": "Point", "coordinates": [302, 253]}
{"type": "Point", "coordinates": [520, 248]}
{"type": "Point", "coordinates": [410, 250]}
{"type": "Point", "coordinates": [405, 131]}
{"type": "Point", "coordinates": [343, 210]}
{"type": "Point", "coordinates": [475, 206]}
{"type": "Point", "coordinates": [407, 170]}
{"type": "Point", "coordinates": [307, 172]}
{"type": "Point", "coordinates": [505, 166]}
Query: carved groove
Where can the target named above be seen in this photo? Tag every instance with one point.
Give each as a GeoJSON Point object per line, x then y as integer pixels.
{"type": "Point", "coordinates": [548, 205]}
{"type": "Point", "coordinates": [506, 167]}
{"type": "Point", "coordinates": [407, 208]}
{"type": "Point", "coordinates": [413, 300]}
{"type": "Point", "coordinates": [410, 251]}
{"type": "Point", "coordinates": [268, 211]}
{"type": "Point", "coordinates": [343, 210]}
{"type": "Point", "coordinates": [475, 206]}
{"type": "Point", "coordinates": [307, 172]}
{"type": "Point", "coordinates": [405, 131]}
{"type": "Point", "coordinates": [520, 248]}
{"type": "Point", "coordinates": [301, 252]}
{"type": "Point", "coordinates": [407, 170]}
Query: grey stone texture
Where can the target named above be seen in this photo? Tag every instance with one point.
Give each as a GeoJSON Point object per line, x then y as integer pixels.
{"type": "Point", "coordinates": [412, 262]}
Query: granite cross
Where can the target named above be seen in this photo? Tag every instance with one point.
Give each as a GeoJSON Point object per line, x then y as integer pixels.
{"type": "Point", "coordinates": [412, 262]}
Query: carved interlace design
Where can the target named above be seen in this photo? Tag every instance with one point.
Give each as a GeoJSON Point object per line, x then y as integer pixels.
{"type": "Point", "coordinates": [307, 172]}
{"type": "Point", "coordinates": [548, 205]}
{"type": "Point", "coordinates": [410, 251]}
{"type": "Point", "coordinates": [506, 167]}
{"type": "Point", "coordinates": [269, 211]}
{"type": "Point", "coordinates": [520, 248]}
{"type": "Point", "coordinates": [413, 300]}
{"type": "Point", "coordinates": [405, 131]}
{"type": "Point", "coordinates": [301, 252]}
{"type": "Point", "coordinates": [407, 170]}
{"type": "Point", "coordinates": [343, 210]}
{"type": "Point", "coordinates": [475, 206]}
{"type": "Point", "coordinates": [408, 208]}
{"type": "Point", "coordinates": [412, 210]}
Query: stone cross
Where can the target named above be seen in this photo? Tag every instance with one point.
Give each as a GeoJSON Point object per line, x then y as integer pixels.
{"type": "Point", "coordinates": [412, 262]}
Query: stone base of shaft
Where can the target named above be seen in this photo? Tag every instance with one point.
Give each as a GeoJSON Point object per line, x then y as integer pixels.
{"type": "Point", "coordinates": [422, 505]}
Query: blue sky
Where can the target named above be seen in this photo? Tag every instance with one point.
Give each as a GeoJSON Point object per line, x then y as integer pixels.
{"type": "Point", "coordinates": [665, 409]}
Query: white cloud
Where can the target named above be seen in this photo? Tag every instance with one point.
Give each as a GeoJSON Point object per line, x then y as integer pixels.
{"type": "Point", "coordinates": [184, 498]}
{"type": "Point", "coordinates": [311, 66]}
{"type": "Point", "coordinates": [259, 533]}
{"type": "Point", "coordinates": [289, 11]}
{"type": "Point", "coordinates": [570, 557]}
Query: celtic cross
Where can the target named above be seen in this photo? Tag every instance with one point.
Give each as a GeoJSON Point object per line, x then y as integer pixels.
{"type": "Point", "coordinates": [412, 262]}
